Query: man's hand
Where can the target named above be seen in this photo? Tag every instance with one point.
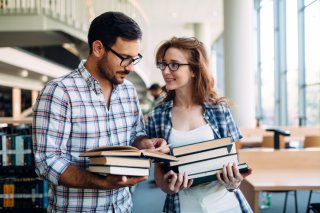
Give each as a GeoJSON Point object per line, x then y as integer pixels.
{"type": "Point", "coordinates": [119, 181]}
{"type": "Point", "coordinates": [147, 143]}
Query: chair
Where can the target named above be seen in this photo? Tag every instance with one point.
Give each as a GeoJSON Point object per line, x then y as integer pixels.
{"type": "Point", "coordinates": [268, 142]}
{"type": "Point", "coordinates": [312, 142]}
{"type": "Point", "coordinates": [315, 207]}
{"type": "Point", "coordinates": [238, 145]}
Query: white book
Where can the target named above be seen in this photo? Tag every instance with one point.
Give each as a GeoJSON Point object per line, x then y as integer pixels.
{"type": "Point", "coordinates": [200, 156]}
{"type": "Point", "coordinates": [119, 170]}
{"type": "Point", "coordinates": [242, 168]}
{"type": "Point", "coordinates": [208, 165]}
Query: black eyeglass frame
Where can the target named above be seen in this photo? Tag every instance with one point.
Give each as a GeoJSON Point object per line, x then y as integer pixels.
{"type": "Point", "coordinates": [129, 60]}
{"type": "Point", "coordinates": [169, 65]}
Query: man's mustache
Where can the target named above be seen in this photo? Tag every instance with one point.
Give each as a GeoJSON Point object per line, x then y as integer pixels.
{"type": "Point", "coordinates": [125, 72]}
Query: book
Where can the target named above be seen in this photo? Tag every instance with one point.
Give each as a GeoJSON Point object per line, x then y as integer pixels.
{"type": "Point", "coordinates": [200, 146]}
{"type": "Point", "coordinates": [202, 155]}
{"type": "Point", "coordinates": [129, 151]}
{"type": "Point", "coordinates": [120, 161]}
{"type": "Point", "coordinates": [204, 177]}
{"type": "Point", "coordinates": [119, 170]}
{"type": "Point", "coordinates": [208, 164]}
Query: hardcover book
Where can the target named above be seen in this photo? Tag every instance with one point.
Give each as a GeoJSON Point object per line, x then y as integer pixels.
{"type": "Point", "coordinates": [201, 146]}
{"type": "Point", "coordinates": [208, 164]}
{"type": "Point", "coordinates": [184, 159]}
{"type": "Point", "coordinates": [203, 177]}
{"type": "Point", "coordinates": [119, 170]}
{"type": "Point", "coordinates": [120, 161]}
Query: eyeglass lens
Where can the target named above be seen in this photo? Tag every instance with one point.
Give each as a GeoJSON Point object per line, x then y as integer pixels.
{"type": "Point", "coordinates": [172, 66]}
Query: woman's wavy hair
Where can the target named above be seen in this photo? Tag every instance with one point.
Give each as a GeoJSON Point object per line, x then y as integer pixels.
{"type": "Point", "coordinates": [198, 59]}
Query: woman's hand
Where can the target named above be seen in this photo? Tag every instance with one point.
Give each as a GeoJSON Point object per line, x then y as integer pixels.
{"type": "Point", "coordinates": [172, 182]}
{"type": "Point", "coordinates": [230, 177]}
{"type": "Point", "coordinates": [175, 183]}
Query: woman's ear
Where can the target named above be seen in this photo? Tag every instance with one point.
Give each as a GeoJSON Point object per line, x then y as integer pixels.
{"type": "Point", "coordinates": [97, 49]}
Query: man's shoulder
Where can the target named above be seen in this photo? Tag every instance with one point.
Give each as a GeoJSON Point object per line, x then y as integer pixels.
{"type": "Point", "coordinates": [127, 83]}
{"type": "Point", "coordinates": [67, 79]}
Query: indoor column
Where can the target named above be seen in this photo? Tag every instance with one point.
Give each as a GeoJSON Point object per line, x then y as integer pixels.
{"type": "Point", "coordinates": [239, 60]}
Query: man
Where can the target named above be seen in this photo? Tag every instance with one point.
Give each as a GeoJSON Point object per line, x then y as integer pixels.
{"type": "Point", "coordinates": [92, 106]}
{"type": "Point", "coordinates": [157, 94]}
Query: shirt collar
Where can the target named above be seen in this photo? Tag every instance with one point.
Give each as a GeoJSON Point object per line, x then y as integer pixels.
{"type": "Point", "coordinates": [90, 80]}
{"type": "Point", "coordinates": [169, 105]}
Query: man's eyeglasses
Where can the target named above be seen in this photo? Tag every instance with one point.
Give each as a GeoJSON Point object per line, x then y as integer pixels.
{"type": "Point", "coordinates": [125, 61]}
{"type": "Point", "coordinates": [172, 66]}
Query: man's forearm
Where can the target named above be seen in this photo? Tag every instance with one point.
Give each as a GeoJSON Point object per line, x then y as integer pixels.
{"type": "Point", "coordinates": [76, 177]}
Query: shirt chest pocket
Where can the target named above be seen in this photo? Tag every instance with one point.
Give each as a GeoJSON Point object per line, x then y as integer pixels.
{"type": "Point", "coordinates": [89, 121]}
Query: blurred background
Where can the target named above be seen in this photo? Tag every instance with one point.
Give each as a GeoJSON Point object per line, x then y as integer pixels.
{"type": "Point", "coordinates": [264, 57]}
{"type": "Point", "coordinates": [264, 53]}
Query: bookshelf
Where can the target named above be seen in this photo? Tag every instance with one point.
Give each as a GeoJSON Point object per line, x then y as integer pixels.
{"type": "Point", "coordinates": [20, 187]}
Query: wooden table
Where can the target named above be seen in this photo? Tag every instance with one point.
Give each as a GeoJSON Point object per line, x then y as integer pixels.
{"type": "Point", "coordinates": [254, 141]}
{"type": "Point", "coordinates": [279, 170]}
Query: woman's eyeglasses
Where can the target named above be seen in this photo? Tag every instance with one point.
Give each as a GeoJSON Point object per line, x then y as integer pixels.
{"type": "Point", "coordinates": [172, 66]}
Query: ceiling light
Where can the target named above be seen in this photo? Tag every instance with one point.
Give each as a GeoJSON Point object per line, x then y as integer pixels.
{"type": "Point", "coordinates": [44, 78]}
{"type": "Point", "coordinates": [24, 73]}
{"type": "Point", "coordinates": [71, 48]}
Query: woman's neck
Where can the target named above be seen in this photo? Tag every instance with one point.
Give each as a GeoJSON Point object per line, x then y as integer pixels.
{"type": "Point", "coordinates": [184, 100]}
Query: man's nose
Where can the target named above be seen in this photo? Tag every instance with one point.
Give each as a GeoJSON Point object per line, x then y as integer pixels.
{"type": "Point", "coordinates": [130, 67]}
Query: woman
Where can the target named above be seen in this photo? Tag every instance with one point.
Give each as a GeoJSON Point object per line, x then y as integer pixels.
{"type": "Point", "coordinates": [192, 111]}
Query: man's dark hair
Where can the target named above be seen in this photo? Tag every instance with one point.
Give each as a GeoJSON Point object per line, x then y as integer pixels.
{"type": "Point", "coordinates": [110, 25]}
{"type": "Point", "coordinates": [154, 87]}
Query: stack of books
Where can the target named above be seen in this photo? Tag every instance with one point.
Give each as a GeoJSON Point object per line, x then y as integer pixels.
{"type": "Point", "coordinates": [124, 160]}
{"type": "Point", "coordinates": [203, 160]}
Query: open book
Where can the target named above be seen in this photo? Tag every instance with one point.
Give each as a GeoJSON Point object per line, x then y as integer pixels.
{"type": "Point", "coordinates": [129, 151]}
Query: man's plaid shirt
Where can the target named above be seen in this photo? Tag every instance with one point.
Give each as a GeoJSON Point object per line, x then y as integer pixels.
{"type": "Point", "coordinates": [222, 124]}
{"type": "Point", "coordinates": [71, 117]}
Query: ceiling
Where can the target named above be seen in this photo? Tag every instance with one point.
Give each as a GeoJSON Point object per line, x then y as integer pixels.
{"type": "Point", "coordinates": [162, 19]}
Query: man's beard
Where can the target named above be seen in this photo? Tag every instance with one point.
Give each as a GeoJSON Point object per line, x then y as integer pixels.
{"type": "Point", "coordinates": [112, 78]}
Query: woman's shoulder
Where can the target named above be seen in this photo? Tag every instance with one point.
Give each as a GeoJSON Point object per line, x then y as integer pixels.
{"type": "Point", "coordinates": [163, 105]}
{"type": "Point", "coordinates": [216, 106]}
{"type": "Point", "coordinates": [160, 109]}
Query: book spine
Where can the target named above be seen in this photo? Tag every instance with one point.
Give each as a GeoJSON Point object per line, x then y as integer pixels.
{"type": "Point", "coordinates": [1, 193]}
{"type": "Point", "coordinates": [11, 195]}
{"type": "Point", "coordinates": [5, 150]}
{"type": "Point", "coordinates": [45, 194]}
{"type": "Point", "coordinates": [8, 157]}
{"type": "Point", "coordinates": [13, 150]}
{"type": "Point", "coordinates": [28, 150]}
{"type": "Point", "coordinates": [1, 159]}
{"type": "Point", "coordinates": [19, 151]}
